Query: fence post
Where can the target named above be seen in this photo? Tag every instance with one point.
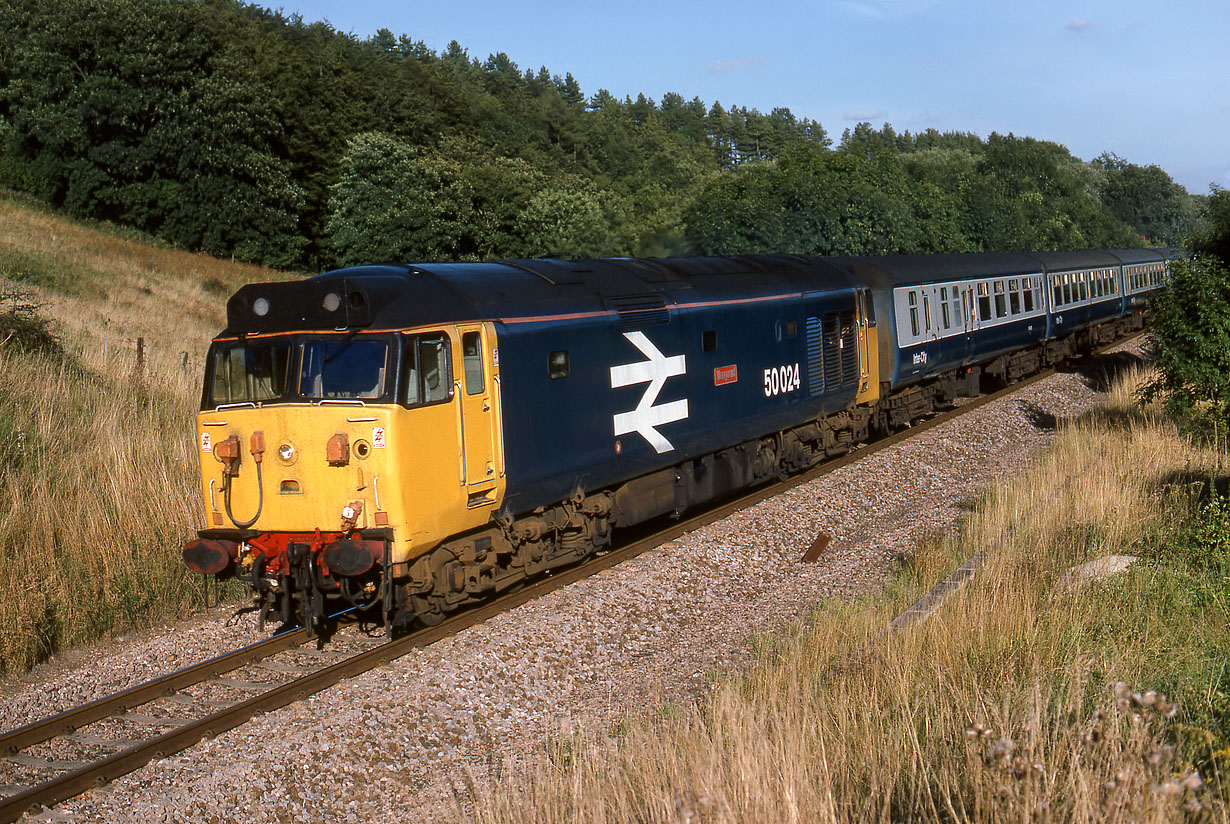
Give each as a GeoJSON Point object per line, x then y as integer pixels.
{"type": "Point", "coordinates": [139, 371]}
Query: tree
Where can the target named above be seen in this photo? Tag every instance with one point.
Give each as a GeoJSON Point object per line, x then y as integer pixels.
{"type": "Point", "coordinates": [122, 110]}
{"type": "Point", "coordinates": [1191, 323]}
{"type": "Point", "coordinates": [1191, 329]}
{"type": "Point", "coordinates": [1147, 199]}
{"type": "Point", "coordinates": [391, 204]}
{"type": "Point", "coordinates": [569, 221]}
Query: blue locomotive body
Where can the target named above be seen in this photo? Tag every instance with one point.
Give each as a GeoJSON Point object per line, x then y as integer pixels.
{"type": "Point", "coordinates": [594, 398]}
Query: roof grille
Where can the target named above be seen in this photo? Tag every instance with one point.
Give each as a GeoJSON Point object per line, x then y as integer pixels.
{"type": "Point", "coordinates": [639, 311]}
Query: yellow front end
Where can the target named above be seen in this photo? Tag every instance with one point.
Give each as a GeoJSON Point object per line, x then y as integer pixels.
{"type": "Point", "coordinates": [317, 461]}
{"type": "Point", "coordinates": [418, 462]}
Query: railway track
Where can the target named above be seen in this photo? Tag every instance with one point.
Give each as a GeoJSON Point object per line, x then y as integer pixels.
{"type": "Point", "coordinates": [209, 718]}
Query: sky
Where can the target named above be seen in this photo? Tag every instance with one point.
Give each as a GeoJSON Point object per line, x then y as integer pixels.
{"type": "Point", "coordinates": [1147, 81]}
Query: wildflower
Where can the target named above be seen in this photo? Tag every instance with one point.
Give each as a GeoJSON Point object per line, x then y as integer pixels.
{"type": "Point", "coordinates": [1159, 755]}
{"type": "Point", "coordinates": [979, 731]}
{"type": "Point", "coordinates": [1192, 781]}
{"type": "Point", "coordinates": [1001, 750]}
{"type": "Point", "coordinates": [1193, 805]}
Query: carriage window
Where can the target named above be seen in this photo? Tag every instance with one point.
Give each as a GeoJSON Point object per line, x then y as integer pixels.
{"type": "Point", "coordinates": [1028, 295]}
{"type": "Point", "coordinates": [984, 302]}
{"type": "Point", "coordinates": [947, 318]}
{"type": "Point", "coordinates": [427, 370]}
{"type": "Point", "coordinates": [914, 313]}
{"type": "Point", "coordinates": [1001, 308]}
{"type": "Point", "coordinates": [558, 365]}
{"type": "Point", "coordinates": [1067, 289]}
{"type": "Point", "coordinates": [1082, 285]}
{"type": "Point", "coordinates": [927, 310]}
{"type": "Point", "coordinates": [472, 359]}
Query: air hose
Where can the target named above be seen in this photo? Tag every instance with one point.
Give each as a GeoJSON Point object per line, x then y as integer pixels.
{"type": "Point", "coordinates": [260, 499]}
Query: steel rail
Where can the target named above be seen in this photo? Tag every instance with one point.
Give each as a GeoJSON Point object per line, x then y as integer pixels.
{"type": "Point", "coordinates": [169, 743]}
{"type": "Point", "coordinates": [120, 702]}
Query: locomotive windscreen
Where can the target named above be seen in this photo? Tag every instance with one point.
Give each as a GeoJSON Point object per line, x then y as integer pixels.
{"type": "Point", "coordinates": [349, 368]}
{"type": "Point", "coordinates": [299, 368]}
{"type": "Point", "coordinates": [249, 372]}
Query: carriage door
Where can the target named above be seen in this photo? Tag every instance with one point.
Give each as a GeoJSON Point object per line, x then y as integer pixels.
{"type": "Point", "coordinates": [969, 319]}
{"type": "Point", "coordinates": [868, 366]}
{"type": "Point", "coordinates": [478, 414]}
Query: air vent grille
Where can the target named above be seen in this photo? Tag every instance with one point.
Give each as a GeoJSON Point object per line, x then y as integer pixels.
{"type": "Point", "coordinates": [639, 311]}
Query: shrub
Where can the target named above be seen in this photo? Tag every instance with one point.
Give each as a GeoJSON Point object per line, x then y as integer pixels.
{"type": "Point", "coordinates": [23, 326]}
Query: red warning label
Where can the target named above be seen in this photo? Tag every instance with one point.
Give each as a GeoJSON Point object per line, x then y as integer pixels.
{"type": "Point", "coordinates": [725, 374]}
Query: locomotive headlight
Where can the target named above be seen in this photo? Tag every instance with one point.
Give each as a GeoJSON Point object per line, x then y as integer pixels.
{"type": "Point", "coordinates": [287, 453]}
{"type": "Point", "coordinates": [260, 307]}
{"type": "Point", "coordinates": [331, 302]}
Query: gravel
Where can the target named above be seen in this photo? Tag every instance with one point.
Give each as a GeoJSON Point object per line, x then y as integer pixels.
{"type": "Point", "coordinates": [400, 741]}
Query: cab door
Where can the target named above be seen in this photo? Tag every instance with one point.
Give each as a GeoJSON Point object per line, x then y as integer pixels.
{"type": "Point", "coordinates": [479, 416]}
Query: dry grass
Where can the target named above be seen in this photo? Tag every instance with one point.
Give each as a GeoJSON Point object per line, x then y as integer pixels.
{"type": "Point", "coordinates": [98, 487]}
{"type": "Point", "coordinates": [1004, 706]}
{"type": "Point", "coordinates": [106, 289]}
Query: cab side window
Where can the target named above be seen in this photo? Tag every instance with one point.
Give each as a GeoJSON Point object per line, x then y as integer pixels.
{"type": "Point", "coordinates": [472, 355]}
{"type": "Point", "coordinates": [427, 370]}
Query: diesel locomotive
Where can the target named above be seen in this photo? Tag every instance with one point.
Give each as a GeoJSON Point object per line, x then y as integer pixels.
{"type": "Point", "coordinates": [405, 439]}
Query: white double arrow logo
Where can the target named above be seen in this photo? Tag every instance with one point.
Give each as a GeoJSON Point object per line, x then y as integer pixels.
{"type": "Point", "coordinates": [655, 371]}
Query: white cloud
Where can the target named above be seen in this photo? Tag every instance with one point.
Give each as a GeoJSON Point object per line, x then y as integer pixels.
{"type": "Point", "coordinates": [733, 65]}
{"type": "Point", "coordinates": [864, 115]}
{"type": "Point", "coordinates": [1078, 24]}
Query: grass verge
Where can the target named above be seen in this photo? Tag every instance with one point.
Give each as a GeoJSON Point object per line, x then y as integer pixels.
{"type": "Point", "coordinates": [1035, 694]}
{"type": "Point", "coordinates": [98, 473]}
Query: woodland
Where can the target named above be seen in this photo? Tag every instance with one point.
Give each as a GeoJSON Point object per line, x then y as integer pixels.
{"type": "Point", "coordinates": [224, 127]}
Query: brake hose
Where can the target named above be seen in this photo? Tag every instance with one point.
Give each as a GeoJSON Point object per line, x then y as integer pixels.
{"type": "Point", "coordinates": [260, 498]}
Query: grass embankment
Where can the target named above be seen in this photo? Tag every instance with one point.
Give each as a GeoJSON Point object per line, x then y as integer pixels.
{"type": "Point", "coordinates": [97, 462]}
{"type": "Point", "coordinates": [1004, 706]}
